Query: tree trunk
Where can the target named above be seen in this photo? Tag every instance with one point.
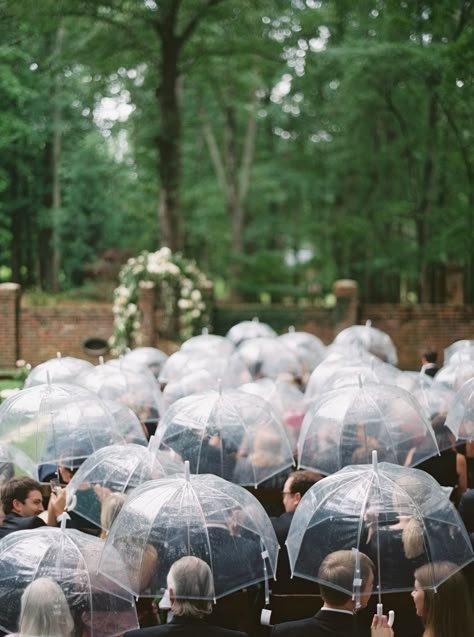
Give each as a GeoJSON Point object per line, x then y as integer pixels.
{"type": "Point", "coordinates": [56, 160]}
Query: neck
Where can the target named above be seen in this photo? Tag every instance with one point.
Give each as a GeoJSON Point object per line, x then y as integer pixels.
{"type": "Point", "coordinates": [347, 606]}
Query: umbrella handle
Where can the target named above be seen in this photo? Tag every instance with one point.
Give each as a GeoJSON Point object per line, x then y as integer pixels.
{"type": "Point", "coordinates": [391, 614]}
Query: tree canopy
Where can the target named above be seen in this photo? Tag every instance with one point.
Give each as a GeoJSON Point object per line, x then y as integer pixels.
{"type": "Point", "coordinates": [281, 144]}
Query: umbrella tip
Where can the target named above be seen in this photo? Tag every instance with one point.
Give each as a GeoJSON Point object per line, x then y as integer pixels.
{"type": "Point", "coordinates": [58, 355]}
{"type": "Point", "coordinates": [186, 471]}
{"type": "Point", "coordinates": [375, 459]}
{"type": "Point", "coordinates": [205, 331]}
{"type": "Point", "coordinates": [368, 323]}
{"type": "Point", "coordinates": [101, 360]}
{"type": "Point", "coordinates": [256, 319]}
{"type": "Point", "coordinates": [359, 377]}
{"type": "Point", "coordinates": [48, 378]}
{"type": "Point", "coordinates": [291, 329]}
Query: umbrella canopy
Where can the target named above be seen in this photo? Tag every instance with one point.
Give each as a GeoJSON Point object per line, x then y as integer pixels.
{"type": "Point", "coordinates": [139, 390]}
{"type": "Point", "coordinates": [70, 558]}
{"type": "Point", "coordinates": [460, 350]}
{"type": "Point", "coordinates": [200, 515]}
{"type": "Point", "coordinates": [286, 398]}
{"type": "Point", "coordinates": [269, 357]}
{"type": "Point", "coordinates": [127, 422]}
{"type": "Point", "coordinates": [60, 370]}
{"type": "Point", "coordinates": [14, 461]}
{"type": "Point", "coordinates": [229, 433]}
{"type": "Point", "coordinates": [398, 516]}
{"type": "Point", "coordinates": [345, 425]}
{"type": "Point", "coordinates": [435, 399]}
{"type": "Point", "coordinates": [454, 375]}
{"type": "Point", "coordinates": [149, 357]}
{"type": "Point", "coordinates": [460, 417]}
{"type": "Point", "coordinates": [371, 339]}
{"type": "Point", "coordinates": [117, 469]}
{"type": "Point", "coordinates": [48, 421]}
{"type": "Point", "coordinates": [205, 342]}
{"type": "Point", "coordinates": [309, 349]}
{"type": "Point", "coordinates": [230, 371]}
{"type": "Point", "coordinates": [249, 329]}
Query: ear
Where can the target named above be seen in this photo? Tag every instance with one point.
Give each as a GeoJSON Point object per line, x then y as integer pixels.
{"type": "Point", "coordinates": [298, 497]}
{"type": "Point", "coordinates": [16, 505]}
{"type": "Point", "coordinates": [171, 596]}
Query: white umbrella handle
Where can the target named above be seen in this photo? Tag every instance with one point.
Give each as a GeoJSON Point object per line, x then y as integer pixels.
{"type": "Point", "coordinates": [391, 614]}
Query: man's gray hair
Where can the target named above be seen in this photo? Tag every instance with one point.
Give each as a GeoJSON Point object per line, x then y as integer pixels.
{"type": "Point", "coordinates": [192, 583]}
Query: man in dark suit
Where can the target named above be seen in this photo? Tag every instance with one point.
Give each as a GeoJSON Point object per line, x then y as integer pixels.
{"type": "Point", "coordinates": [297, 484]}
{"type": "Point", "coordinates": [191, 593]}
{"type": "Point", "coordinates": [337, 616]}
{"type": "Point", "coordinates": [428, 360]}
{"type": "Point", "coordinates": [22, 503]}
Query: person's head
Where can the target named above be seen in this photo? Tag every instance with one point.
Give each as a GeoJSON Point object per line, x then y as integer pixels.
{"type": "Point", "coordinates": [69, 462]}
{"type": "Point", "coordinates": [448, 611]}
{"type": "Point", "coordinates": [22, 495]}
{"type": "Point", "coordinates": [296, 485]}
{"type": "Point", "coordinates": [111, 507]}
{"type": "Point", "coordinates": [44, 611]}
{"type": "Point", "coordinates": [444, 436]}
{"type": "Point", "coordinates": [338, 568]}
{"type": "Point", "coordinates": [191, 587]}
{"type": "Point", "coordinates": [429, 355]}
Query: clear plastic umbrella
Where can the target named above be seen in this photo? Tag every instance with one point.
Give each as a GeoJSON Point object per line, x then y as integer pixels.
{"type": "Point", "coordinates": [60, 369]}
{"type": "Point", "coordinates": [229, 433]}
{"type": "Point", "coordinates": [396, 515]}
{"type": "Point", "coordinates": [200, 515]}
{"type": "Point", "coordinates": [249, 329]}
{"type": "Point", "coordinates": [117, 469]}
{"type": "Point", "coordinates": [370, 338]}
{"type": "Point", "coordinates": [205, 342]}
{"type": "Point", "coordinates": [231, 370]}
{"type": "Point", "coordinates": [127, 423]}
{"type": "Point", "coordinates": [286, 398]}
{"type": "Point", "coordinates": [436, 399]}
{"type": "Point", "coordinates": [454, 375]}
{"type": "Point", "coordinates": [458, 351]}
{"type": "Point", "coordinates": [149, 357]}
{"type": "Point", "coordinates": [309, 349]}
{"type": "Point", "coordinates": [55, 422]}
{"type": "Point", "coordinates": [271, 358]}
{"type": "Point", "coordinates": [70, 558]}
{"type": "Point", "coordinates": [460, 417]}
{"type": "Point", "coordinates": [345, 425]}
{"type": "Point", "coordinates": [14, 461]}
{"type": "Point", "coordinates": [139, 390]}
{"type": "Point", "coordinates": [336, 359]}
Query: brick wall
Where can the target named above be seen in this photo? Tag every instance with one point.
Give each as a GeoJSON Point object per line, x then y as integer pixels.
{"type": "Point", "coordinates": [414, 327]}
{"type": "Point", "coordinates": [9, 312]}
{"type": "Point", "coordinates": [46, 330]}
{"type": "Point", "coordinates": [37, 333]}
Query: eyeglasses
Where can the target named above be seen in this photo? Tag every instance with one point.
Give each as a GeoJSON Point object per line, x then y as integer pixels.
{"type": "Point", "coordinates": [282, 493]}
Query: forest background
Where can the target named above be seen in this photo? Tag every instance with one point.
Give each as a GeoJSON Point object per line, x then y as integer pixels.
{"type": "Point", "coordinates": [281, 143]}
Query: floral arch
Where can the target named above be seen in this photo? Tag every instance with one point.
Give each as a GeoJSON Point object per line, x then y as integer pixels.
{"type": "Point", "coordinates": [183, 291]}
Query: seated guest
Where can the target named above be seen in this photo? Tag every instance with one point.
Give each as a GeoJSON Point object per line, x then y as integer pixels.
{"type": "Point", "coordinates": [191, 593]}
{"type": "Point", "coordinates": [297, 484]}
{"type": "Point", "coordinates": [336, 617]}
{"type": "Point", "coordinates": [22, 503]}
{"type": "Point", "coordinates": [44, 611]}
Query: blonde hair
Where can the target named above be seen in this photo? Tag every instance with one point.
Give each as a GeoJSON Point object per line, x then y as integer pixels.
{"type": "Point", "coordinates": [44, 610]}
{"type": "Point", "coordinates": [412, 538]}
{"type": "Point", "coordinates": [111, 507]}
{"type": "Point", "coordinates": [448, 611]}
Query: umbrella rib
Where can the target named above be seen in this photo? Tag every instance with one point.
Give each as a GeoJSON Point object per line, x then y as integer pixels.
{"type": "Point", "coordinates": [381, 418]}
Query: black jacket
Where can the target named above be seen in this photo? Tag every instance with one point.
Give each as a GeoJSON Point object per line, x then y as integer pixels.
{"type": "Point", "coordinates": [185, 627]}
{"type": "Point", "coordinates": [13, 522]}
{"type": "Point", "coordinates": [325, 623]}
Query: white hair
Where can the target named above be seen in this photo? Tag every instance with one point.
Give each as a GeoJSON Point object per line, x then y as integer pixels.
{"type": "Point", "coordinates": [191, 581]}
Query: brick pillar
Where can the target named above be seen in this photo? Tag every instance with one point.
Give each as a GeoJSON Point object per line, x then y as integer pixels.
{"type": "Point", "coordinates": [346, 292]}
{"type": "Point", "coordinates": [10, 323]}
{"type": "Point", "coordinates": [146, 303]}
